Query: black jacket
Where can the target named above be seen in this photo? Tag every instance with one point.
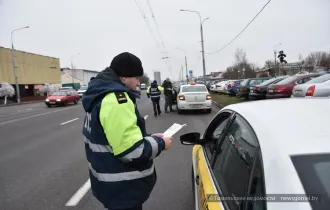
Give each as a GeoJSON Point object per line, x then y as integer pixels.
{"type": "Point", "coordinates": [166, 85]}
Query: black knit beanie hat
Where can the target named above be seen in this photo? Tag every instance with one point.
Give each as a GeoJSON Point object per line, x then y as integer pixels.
{"type": "Point", "coordinates": [127, 65]}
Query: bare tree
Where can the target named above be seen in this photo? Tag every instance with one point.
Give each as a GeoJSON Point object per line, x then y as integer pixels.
{"type": "Point", "coordinates": [6, 90]}
{"type": "Point", "coordinates": [269, 64]}
{"type": "Point", "coordinates": [145, 79]}
{"type": "Point", "coordinates": [240, 56]}
{"type": "Point", "coordinates": [48, 89]}
{"type": "Point", "coordinates": [318, 59]}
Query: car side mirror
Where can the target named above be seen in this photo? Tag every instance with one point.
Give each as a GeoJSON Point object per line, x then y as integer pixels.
{"type": "Point", "coordinates": [190, 138]}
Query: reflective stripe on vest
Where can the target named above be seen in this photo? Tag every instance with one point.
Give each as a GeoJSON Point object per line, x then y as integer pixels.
{"type": "Point", "coordinates": [124, 176]}
{"type": "Point", "coordinates": [154, 92]}
{"type": "Point", "coordinates": [97, 147]}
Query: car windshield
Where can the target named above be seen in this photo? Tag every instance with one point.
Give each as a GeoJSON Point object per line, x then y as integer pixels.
{"type": "Point", "coordinates": [245, 82]}
{"type": "Point", "coordinates": [319, 79]}
{"type": "Point", "coordinates": [193, 89]}
{"type": "Point", "coordinates": [61, 93]}
{"type": "Point", "coordinates": [313, 171]}
{"type": "Point", "coordinates": [267, 82]}
{"type": "Point", "coordinates": [287, 80]}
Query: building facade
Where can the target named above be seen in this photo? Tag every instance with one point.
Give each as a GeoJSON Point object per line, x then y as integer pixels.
{"type": "Point", "coordinates": [33, 70]}
{"type": "Point", "coordinates": [157, 77]}
{"type": "Point", "coordinates": [81, 76]}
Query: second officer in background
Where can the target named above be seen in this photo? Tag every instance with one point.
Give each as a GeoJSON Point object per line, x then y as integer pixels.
{"type": "Point", "coordinates": [154, 92]}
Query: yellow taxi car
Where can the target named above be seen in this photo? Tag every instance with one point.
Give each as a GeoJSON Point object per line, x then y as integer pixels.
{"type": "Point", "coordinates": [272, 154]}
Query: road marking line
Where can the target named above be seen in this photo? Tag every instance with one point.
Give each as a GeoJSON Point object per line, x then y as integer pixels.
{"type": "Point", "coordinates": [69, 121]}
{"type": "Point", "coordinates": [74, 200]}
{"type": "Point", "coordinates": [33, 116]}
{"type": "Point", "coordinates": [145, 117]}
{"type": "Point", "coordinates": [24, 110]}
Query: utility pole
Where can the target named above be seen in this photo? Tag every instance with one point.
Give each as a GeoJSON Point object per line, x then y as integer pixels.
{"type": "Point", "coordinates": [203, 55]}
{"type": "Point", "coordinates": [202, 39]}
{"type": "Point", "coordinates": [275, 64]}
{"type": "Point", "coordinates": [14, 63]}
{"type": "Point", "coordinates": [185, 58]}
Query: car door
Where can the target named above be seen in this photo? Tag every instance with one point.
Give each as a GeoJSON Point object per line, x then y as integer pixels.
{"type": "Point", "coordinates": [202, 179]}
{"type": "Point", "coordinates": [236, 167]}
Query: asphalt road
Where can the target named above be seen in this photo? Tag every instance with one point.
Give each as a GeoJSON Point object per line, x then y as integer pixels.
{"type": "Point", "coordinates": [43, 163]}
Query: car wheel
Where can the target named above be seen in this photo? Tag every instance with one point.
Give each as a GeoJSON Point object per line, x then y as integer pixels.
{"type": "Point", "coordinates": [48, 105]}
{"type": "Point", "coordinates": [65, 103]}
{"type": "Point", "coordinates": [208, 111]}
{"type": "Point", "coordinates": [179, 111]}
{"type": "Point", "coordinates": [76, 101]}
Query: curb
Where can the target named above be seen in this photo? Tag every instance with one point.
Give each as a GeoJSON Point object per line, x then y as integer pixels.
{"type": "Point", "coordinates": [22, 103]}
{"type": "Point", "coordinates": [217, 104]}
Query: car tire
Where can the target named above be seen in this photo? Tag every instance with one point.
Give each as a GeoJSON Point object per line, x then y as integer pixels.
{"type": "Point", "coordinates": [76, 101]}
{"type": "Point", "coordinates": [65, 103]}
{"type": "Point", "coordinates": [179, 111]}
{"type": "Point", "coordinates": [48, 105]}
{"type": "Point", "coordinates": [208, 111]}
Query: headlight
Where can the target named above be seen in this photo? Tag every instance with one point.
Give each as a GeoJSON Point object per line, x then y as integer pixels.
{"type": "Point", "coordinates": [58, 99]}
{"type": "Point", "coordinates": [47, 100]}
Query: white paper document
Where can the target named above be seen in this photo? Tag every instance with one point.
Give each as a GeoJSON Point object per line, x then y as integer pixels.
{"type": "Point", "coordinates": [173, 129]}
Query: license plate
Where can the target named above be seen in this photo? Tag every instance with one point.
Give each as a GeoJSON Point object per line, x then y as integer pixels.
{"type": "Point", "coordinates": [271, 91]}
{"type": "Point", "coordinates": [51, 102]}
{"type": "Point", "coordinates": [298, 92]}
{"type": "Point", "coordinates": [252, 91]}
{"type": "Point", "coordinates": [195, 105]}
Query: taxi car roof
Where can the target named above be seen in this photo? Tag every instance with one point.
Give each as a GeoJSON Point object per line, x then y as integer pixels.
{"type": "Point", "coordinates": [287, 127]}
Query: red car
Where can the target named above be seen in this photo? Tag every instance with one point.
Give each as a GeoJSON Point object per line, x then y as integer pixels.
{"type": "Point", "coordinates": [283, 89]}
{"type": "Point", "coordinates": [63, 97]}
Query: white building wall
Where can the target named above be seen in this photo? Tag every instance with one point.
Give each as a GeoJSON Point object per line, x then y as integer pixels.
{"type": "Point", "coordinates": [79, 76]}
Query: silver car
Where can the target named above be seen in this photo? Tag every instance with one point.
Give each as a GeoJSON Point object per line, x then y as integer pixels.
{"type": "Point", "coordinates": [317, 87]}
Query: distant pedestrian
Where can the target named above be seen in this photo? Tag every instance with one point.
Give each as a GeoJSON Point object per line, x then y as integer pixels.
{"type": "Point", "coordinates": [167, 85]}
{"type": "Point", "coordinates": [154, 92]}
{"type": "Point", "coordinates": [119, 151]}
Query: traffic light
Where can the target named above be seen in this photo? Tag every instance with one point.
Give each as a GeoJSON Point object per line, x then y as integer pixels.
{"type": "Point", "coordinates": [281, 56]}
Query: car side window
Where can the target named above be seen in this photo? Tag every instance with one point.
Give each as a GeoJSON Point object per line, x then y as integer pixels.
{"type": "Point", "coordinates": [257, 189]}
{"type": "Point", "coordinates": [233, 165]}
{"type": "Point", "coordinates": [215, 136]}
{"type": "Point", "coordinates": [300, 81]}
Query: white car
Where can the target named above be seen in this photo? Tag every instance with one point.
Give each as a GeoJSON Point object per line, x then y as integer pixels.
{"type": "Point", "coordinates": [317, 87]}
{"type": "Point", "coordinates": [271, 154]}
{"type": "Point", "coordinates": [220, 86]}
{"type": "Point", "coordinates": [194, 97]}
{"type": "Point", "coordinates": [82, 90]}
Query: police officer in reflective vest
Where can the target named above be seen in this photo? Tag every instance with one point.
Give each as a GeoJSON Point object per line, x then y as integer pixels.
{"type": "Point", "coordinates": [119, 151]}
{"type": "Point", "coordinates": [154, 92]}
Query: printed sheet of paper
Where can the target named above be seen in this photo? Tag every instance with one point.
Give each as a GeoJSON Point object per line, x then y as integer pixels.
{"type": "Point", "coordinates": [173, 129]}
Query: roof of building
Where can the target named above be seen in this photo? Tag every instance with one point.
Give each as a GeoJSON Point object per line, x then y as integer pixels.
{"type": "Point", "coordinates": [29, 53]}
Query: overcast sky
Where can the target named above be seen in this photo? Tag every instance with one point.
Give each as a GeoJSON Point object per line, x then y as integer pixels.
{"type": "Point", "coordinates": [101, 29]}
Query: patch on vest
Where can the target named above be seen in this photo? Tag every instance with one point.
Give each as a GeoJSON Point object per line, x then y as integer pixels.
{"type": "Point", "coordinates": [121, 97]}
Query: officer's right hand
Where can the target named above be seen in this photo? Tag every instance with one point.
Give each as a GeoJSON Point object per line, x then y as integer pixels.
{"type": "Point", "coordinates": [168, 142]}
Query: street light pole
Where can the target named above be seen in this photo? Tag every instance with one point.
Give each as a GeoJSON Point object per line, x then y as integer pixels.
{"type": "Point", "coordinates": [14, 63]}
{"type": "Point", "coordinates": [202, 40]}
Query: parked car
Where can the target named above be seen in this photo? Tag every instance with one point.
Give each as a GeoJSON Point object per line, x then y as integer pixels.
{"type": "Point", "coordinates": [283, 89]}
{"type": "Point", "coordinates": [194, 97]}
{"type": "Point", "coordinates": [317, 87]}
{"type": "Point", "coordinates": [219, 86]}
{"type": "Point", "coordinates": [62, 97]}
{"type": "Point", "coordinates": [213, 86]}
{"type": "Point", "coordinates": [232, 87]}
{"type": "Point", "coordinates": [260, 91]}
{"type": "Point", "coordinates": [249, 151]}
{"type": "Point", "coordinates": [209, 84]}
{"type": "Point", "coordinates": [243, 89]}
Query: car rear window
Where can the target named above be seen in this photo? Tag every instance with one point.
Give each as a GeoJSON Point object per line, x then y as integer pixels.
{"type": "Point", "coordinates": [61, 93]}
{"type": "Point", "coordinates": [245, 82]}
{"type": "Point", "coordinates": [319, 79]}
{"type": "Point", "coordinates": [314, 173]}
{"type": "Point", "coordinates": [194, 89]}
{"type": "Point", "coordinates": [287, 80]}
